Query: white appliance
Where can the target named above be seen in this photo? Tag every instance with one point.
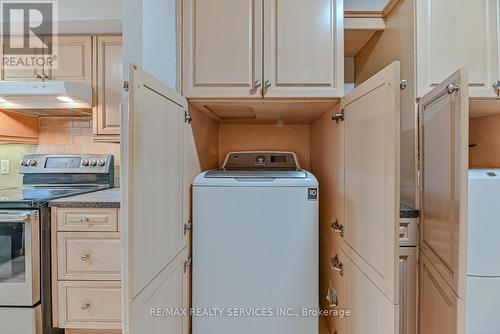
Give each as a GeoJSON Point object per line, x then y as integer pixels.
{"type": "Point", "coordinates": [46, 98]}
{"type": "Point", "coordinates": [483, 252]}
{"type": "Point", "coordinates": [255, 246]}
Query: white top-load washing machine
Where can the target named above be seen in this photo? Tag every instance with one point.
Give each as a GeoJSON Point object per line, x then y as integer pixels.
{"type": "Point", "coordinates": [483, 252]}
{"type": "Point", "coordinates": [255, 247]}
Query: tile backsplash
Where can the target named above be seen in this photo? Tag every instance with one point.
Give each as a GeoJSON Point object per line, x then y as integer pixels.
{"type": "Point", "coordinates": [58, 135]}
{"type": "Point", "coordinates": [13, 153]}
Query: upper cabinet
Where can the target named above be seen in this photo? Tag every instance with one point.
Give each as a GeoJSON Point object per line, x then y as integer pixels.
{"type": "Point", "coordinates": [109, 80]}
{"type": "Point", "coordinates": [303, 48]}
{"type": "Point", "coordinates": [222, 48]}
{"type": "Point", "coordinates": [468, 36]}
{"type": "Point", "coordinates": [256, 48]}
{"type": "Point", "coordinates": [74, 63]}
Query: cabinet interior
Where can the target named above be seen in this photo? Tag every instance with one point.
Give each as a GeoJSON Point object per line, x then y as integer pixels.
{"type": "Point", "coordinates": [214, 138]}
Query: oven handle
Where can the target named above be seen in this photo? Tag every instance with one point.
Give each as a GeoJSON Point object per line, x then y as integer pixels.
{"type": "Point", "coordinates": [14, 217]}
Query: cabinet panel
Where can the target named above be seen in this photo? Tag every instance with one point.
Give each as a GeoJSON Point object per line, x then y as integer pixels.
{"type": "Point", "coordinates": [371, 311]}
{"type": "Point", "coordinates": [109, 85]}
{"type": "Point", "coordinates": [168, 291]}
{"type": "Point", "coordinates": [444, 147]}
{"type": "Point", "coordinates": [74, 60]}
{"type": "Point", "coordinates": [371, 125]}
{"type": "Point", "coordinates": [89, 256]}
{"type": "Point", "coordinates": [81, 219]}
{"type": "Point", "coordinates": [303, 48]}
{"type": "Point", "coordinates": [222, 46]}
{"type": "Point", "coordinates": [457, 33]}
{"type": "Point", "coordinates": [90, 305]}
{"type": "Point", "coordinates": [19, 73]}
{"type": "Point", "coordinates": [440, 310]}
{"type": "Point", "coordinates": [407, 290]}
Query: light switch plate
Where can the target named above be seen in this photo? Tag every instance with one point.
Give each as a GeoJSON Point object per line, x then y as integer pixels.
{"type": "Point", "coordinates": [5, 167]}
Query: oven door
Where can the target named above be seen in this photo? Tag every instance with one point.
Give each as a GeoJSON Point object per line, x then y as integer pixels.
{"type": "Point", "coordinates": [19, 258]}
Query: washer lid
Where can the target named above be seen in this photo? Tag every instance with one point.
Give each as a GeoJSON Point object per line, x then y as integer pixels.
{"type": "Point", "coordinates": [289, 174]}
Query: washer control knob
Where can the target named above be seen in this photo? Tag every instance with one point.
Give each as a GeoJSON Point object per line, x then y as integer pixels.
{"type": "Point", "coordinates": [85, 162]}
{"type": "Point", "coordinates": [93, 163]}
{"type": "Point", "coordinates": [102, 162]}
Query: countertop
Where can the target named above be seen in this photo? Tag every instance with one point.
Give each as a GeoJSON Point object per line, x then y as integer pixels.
{"type": "Point", "coordinates": [109, 198]}
{"type": "Point", "coordinates": [407, 212]}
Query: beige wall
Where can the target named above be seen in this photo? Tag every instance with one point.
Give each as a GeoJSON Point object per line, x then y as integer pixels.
{"type": "Point", "coordinates": [483, 132]}
{"type": "Point", "coordinates": [270, 137]}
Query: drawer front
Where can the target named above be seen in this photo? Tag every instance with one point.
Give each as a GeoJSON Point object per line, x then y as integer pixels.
{"type": "Point", "coordinates": [408, 232]}
{"type": "Point", "coordinates": [89, 256]}
{"type": "Point", "coordinates": [90, 305]}
{"type": "Point", "coordinates": [75, 219]}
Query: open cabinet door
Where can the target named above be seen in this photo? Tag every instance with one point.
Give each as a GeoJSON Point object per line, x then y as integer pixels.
{"type": "Point", "coordinates": [444, 138]}
{"type": "Point", "coordinates": [155, 273]}
{"type": "Point", "coordinates": [372, 132]}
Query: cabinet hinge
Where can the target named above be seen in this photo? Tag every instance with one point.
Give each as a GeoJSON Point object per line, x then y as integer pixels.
{"type": "Point", "coordinates": [125, 86]}
{"type": "Point", "coordinates": [187, 263]}
{"type": "Point", "coordinates": [337, 228]}
{"type": "Point", "coordinates": [339, 116]}
{"type": "Point", "coordinates": [187, 117]}
{"type": "Point", "coordinates": [187, 226]}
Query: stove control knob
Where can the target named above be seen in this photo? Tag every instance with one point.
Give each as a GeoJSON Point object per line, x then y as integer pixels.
{"type": "Point", "coordinates": [22, 163]}
{"type": "Point", "coordinates": [102, 163]}
{"type": "Point", "coordinates": [93, 163]}
{"type": "Point", "coordinates": [33, 163]}
{"type": "Point", "coordinates": [85, 162]}
{"type": "Point", "coordinates": [26, 162]}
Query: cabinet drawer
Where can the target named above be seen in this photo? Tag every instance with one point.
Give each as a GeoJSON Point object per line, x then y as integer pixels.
{"type": "Point", "coordinates": [75, 219]}
{"type": "Point", "coordinates": [90, 305]}
{"type": "Point", "coordinates": [408, 232]}
{"type": "Point", "coordinates": [89, 256]}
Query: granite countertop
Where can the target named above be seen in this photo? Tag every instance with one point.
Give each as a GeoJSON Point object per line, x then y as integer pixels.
{"type": "Point", "coordinates": [109, 198]}
{"type": "Point", "coordinates": [407, 212]}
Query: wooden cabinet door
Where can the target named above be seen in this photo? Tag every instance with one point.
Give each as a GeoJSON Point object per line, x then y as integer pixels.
{"type": "Point", "coordinates": [154, 123]}
{"type": "Point", "coordinates": [372, 204]}
{"type": "Point", "coordinates": [74, 60]}
{"type": "Point", "coordinates": [370, 310]}
{"type": "Point", "coordinates": [168, 293]}
{"type": "Point", "coordinates": [444, 147]}
{"type": "Point", "coordinates": [456, 33]}
{"type": "Point", "coordinates": [407, 290]}
{"type": "Point", "coordinates": [222, 48]}
{"type": "Point", "coordinates": [21, 73]}
{"type": "Point", "coordinates": [109, 85]}
{"type": "Point", "coordinates": [303, 48]}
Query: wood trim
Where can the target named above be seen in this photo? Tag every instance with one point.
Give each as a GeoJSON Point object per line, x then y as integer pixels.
{"type": "Point", "coordinates": [18, 128]}
{"type": "Point", "coordinates": [372, 13]}
{"type": "Point", "coordinates": [389, 7]}
{"type": "Point", "coordinates": [363, 13]}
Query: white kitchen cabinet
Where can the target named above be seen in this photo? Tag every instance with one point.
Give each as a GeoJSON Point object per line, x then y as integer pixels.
{"type": "Point", "coordinates": [86, 255]}
{"type": "Point", "coordinates": [154, 207]}
{"type": "Point", "coordinates": [109, 81]}
{"type": "Point", "coordinates": [251, 49]}
{"type": "Point", "coordinates": [73, 63]}
{"type": "Point", "coordinates": [74, 60]}
{"type": "Point", "coordinates": [303, 48]}
{"type": "Point", "coordinates": [455, 33]}
{"type": "Point", "coordinates": [444, 147]}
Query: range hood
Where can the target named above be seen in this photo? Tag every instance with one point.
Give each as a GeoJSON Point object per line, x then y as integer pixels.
{"type": "Point", "coordinates": [49, 98]}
